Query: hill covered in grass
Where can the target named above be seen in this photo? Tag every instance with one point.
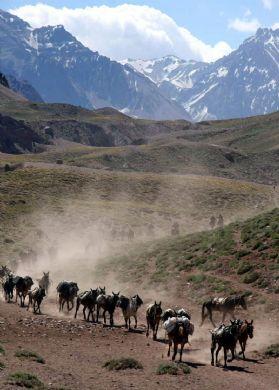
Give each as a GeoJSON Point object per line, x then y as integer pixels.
{"type": "Point", "coordinates": [242, 257]}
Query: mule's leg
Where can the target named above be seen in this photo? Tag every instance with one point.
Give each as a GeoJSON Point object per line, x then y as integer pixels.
{"type": "Point", "coordinates": [136, 321]}
{"type": "Point", "coordinates": [170, 344]}
{"type": "Point", "coordinates": [98, 313]}
{"type": "Point", "coordinates": [126, 322]}
{"type": "Point", "coordinates": [181, 351]}
{"type": "Point", "coordinates": [104, 317]}
{"type": "Point", "coordinates": [175, 346]}
{"type": "Point", "coordinates": [77, 307]}
{"type": "Point", "coordinates": [216, 355]}
{"type": "Point", "coordinates": [84, 315]}
{"type": "Point", "coordinates": [213, 346]}
{"type": "Point", "coordinates": [147, 330]}
{"type": "Point", "coordinates": [111, 319]}
{"type": "Point", "coordinates": [210, 317]}
{"type": "Point", "coordinates": [225, 357]}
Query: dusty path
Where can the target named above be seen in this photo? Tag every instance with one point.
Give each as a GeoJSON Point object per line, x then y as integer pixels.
{"type": "Point", "coordinates": [75, 353]}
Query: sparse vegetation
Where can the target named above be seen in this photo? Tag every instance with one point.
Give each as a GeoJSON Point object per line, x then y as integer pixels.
{"type": "Point", "coordinates": [24, 354]}
{"type": "Point", "coordinates": [2, 366]}
{"type": "Point", "coordinates": [167, 368]}
{"type": "Point", "coordinates": [173, 369]}
{"type": "Point", "coordinates": [272, 351]}
{"type": "Point", "coordinates": [23, 379]}
{"type": "Point", "coordinates": [2, 350]}
{"type": "Point", "coordinates": [123, 364]}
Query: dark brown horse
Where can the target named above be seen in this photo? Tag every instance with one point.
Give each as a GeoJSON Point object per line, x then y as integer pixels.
{"type": "Point", "coordinates": [36, 297]}
{"type": "Point", "coordinates": [246, 330]}
{"type": "Point", "coordinates": [223, 305]}
{"type": "Point", "coordinates": [225, 337]}
{"type": "Point", "coordinates": [179, 335]}
{"type": "Point", "coordinates": [153, 317]}
{"type": "Point", "coordinates": [22, 286]}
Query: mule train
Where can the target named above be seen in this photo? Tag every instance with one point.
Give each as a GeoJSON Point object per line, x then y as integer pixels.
{"type": "Point", "coordinates": [176, 323]}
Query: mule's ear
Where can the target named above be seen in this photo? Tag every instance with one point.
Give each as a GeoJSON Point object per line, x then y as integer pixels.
{"type": "Point", "coordinates": [113, 293]}
{"type": "Point", "coordinates": [160, 303]}
{"type": "Point", "coordinates": [118, 293]}
{"type": "Point", "coordinates": [232, 322]}
{"type": "Point", "coordinates": [246, 322]}
{"type": "Point", "coordinates": [252, 322]}
{"type": "Point", "coordinates": [155, 303]}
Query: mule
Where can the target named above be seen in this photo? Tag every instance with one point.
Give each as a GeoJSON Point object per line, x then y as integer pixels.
{"type": "Point", "coordinates": [178, 334]}
{"type": "Point", "coordinates": [224, 305]}
{"type": "Point", "coordinates": [108, 304]}
{"type": "Point", "coordinates": [36, 297]}
{"type": "Point", "coordinates": [246, 330]}
{"type": "Point", "coordinates": [22, 286]}
{"type": "Point", "coordinates": [153, 317]}
{"type": "Point", "coordinates": [44, 282]}
{"type": "Point", "coordinates": [129, 309]}
{"type": "Point", "coordinates": [8, 287]}
{"type": "Point", "coordinates": [67, 292]}
{"type": "Point", "coordinates": [88, 300]}
{"type": "Point", "coordinates": [224, 337]}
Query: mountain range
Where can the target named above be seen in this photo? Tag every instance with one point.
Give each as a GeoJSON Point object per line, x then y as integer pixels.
{"type": "Point", "coordinates": [244, 83]}
{"type": "Point", "coordinates": [58, 68]}
{"type": "Point", "coordinates": [61, 69]}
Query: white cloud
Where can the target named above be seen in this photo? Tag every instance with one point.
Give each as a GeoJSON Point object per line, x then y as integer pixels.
{"type": "Point", "coordinates": [275, 26]}
{"type": "Point", "coordinates": [125, 31]}
{"type": "Point", "coordinates": [268, 4]}
{"type": "Point", "coordinates": [244, 25]}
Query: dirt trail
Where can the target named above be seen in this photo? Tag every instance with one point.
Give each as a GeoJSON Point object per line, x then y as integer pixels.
{"type": "Point", "coordinates": [75, 353]}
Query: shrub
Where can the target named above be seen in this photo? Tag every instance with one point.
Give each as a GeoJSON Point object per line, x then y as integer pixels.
{"type": "Point", "coordinates": [243, 268]}
{"type": "Point", "coordinates": [167, 368]}
{"type": "Point", "coordinates": [242, 253]}
{"type": "Point", "coordinates": [198, 278]}
{"type": "Point", "coordinates": [24, 354]}
{"type": "Point", "coordinates": [2, 350]}
{"type": "Point", "coordinates": [23, 379]}
{"type": "Point", "coordinates": [185, 368]}
{"type": "Point", "coordinates": [2, 366]}
{"type": "Point", "coordinates": [272, 351]}
{"type": "Point", "coordinates": [250, 278]}
{"type": "Point", "coordinates": [123, 364]}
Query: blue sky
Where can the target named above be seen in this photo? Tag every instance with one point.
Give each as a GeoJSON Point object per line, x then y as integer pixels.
{"type": "Point", "coordinates": [211, 21]}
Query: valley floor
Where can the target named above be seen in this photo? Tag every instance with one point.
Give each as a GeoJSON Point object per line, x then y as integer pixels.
{"type": "Point", "coordinates": [75, 353]}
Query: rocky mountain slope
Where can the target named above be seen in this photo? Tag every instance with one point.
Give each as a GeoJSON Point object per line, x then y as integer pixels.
{"type": "Point", "coordinates": [244, 83]}
{"type": "Point", "coordinates": [61, 69]}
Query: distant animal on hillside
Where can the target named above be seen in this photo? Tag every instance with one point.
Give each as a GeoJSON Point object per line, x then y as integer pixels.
{"type": "Point", "coordinates": [225, 337]}
{"type": "Point", "coordinates": [108, 304]}
{"type": "Point", "coordinates": [223, 305]}
{"type": "Point", "coordinates": [36, 297]}
{"type": "Point", "coordinates": [153, 317]}
{"type": "Point", "coordinates": [129, 308]}
{"type": "Point", "coordinates": [22, 286]}
{"type": "Point", "coordinates": [8, 287]}
{"type": "Point", "coordinates": [178, 330]}
{"type": "Point", "coordinates": [175, 229]}
{"type": "Point", "coordinates": [67, 291]}
{"type": "Point", "coordinates": [212, 222]}
{"type": "Point", "coordinates": [246, 330]}
{"type": "Point", "coordinates": [44, 282]}
{"type": "Point", "coordinates": [88, 300]}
